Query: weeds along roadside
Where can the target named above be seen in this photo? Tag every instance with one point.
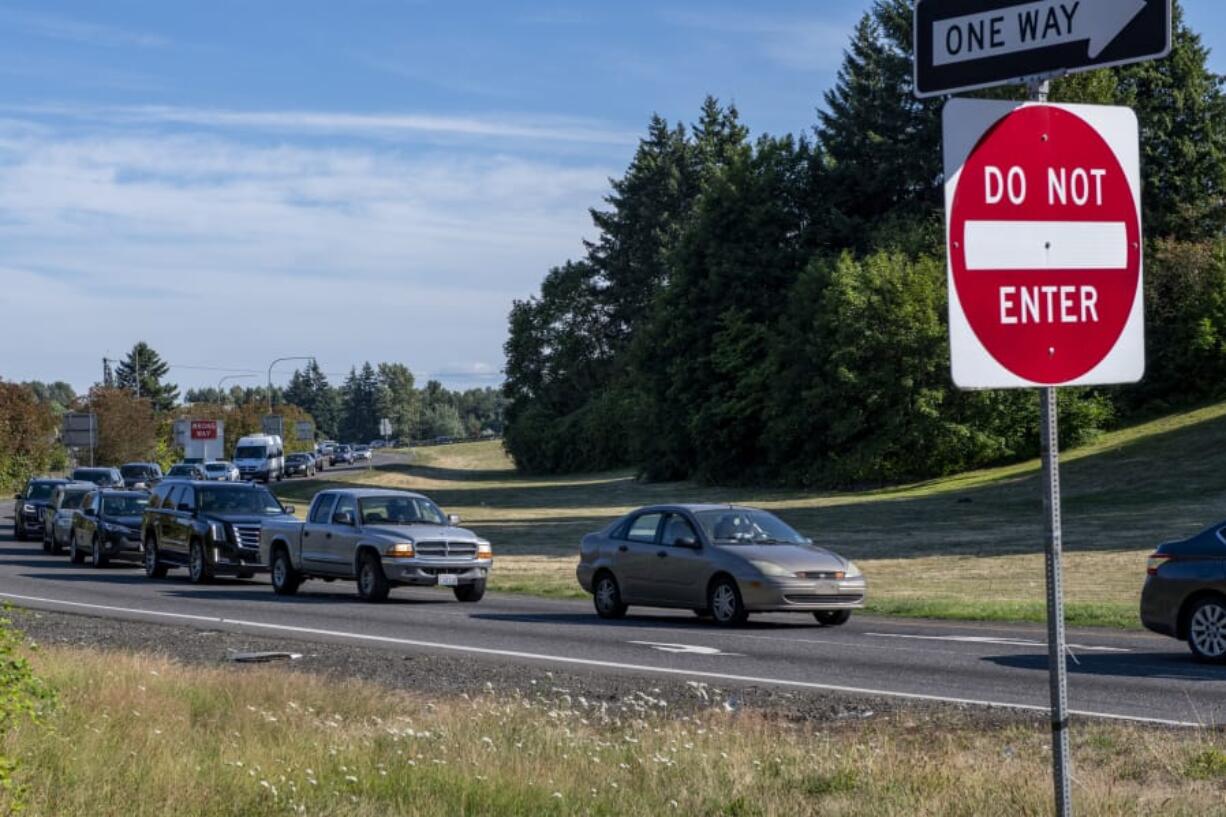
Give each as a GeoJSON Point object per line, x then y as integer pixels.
{"type": "Point", "coordinates": [141, 735]}
{"type": "Point", "coordinates": [25, 700]}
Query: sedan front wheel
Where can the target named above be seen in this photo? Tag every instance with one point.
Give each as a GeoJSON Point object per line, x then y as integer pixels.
{"type": "Point", "coordinates": [832, 618]}
{"type": "Point", "coordinates": [724, 602]}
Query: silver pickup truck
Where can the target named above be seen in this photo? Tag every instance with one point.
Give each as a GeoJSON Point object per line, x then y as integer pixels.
{"type": "Point", "coordinates": [381, 538]}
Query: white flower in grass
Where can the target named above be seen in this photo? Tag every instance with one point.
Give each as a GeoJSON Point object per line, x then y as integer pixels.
{"type": "Point", "coordinates": [350, 778]}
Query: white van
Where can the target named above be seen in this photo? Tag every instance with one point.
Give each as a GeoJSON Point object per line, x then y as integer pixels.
{"type": "Point", "coordinates": [260, 457]}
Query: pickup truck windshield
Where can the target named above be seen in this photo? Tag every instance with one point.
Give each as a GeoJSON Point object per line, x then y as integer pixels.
{"type": "Point", "coordinates": [400, 510]}
{"type": "Point", "coordinates": [238, 499]}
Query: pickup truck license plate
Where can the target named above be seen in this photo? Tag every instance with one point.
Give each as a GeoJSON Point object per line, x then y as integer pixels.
{"type": "Point", "coordinates": [448, 580]}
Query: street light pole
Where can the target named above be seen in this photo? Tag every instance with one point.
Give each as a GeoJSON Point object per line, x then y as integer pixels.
{"type": "Point", "coordinates": [274, 363]}
{"type": "Point", "coordinates": [221, 394]}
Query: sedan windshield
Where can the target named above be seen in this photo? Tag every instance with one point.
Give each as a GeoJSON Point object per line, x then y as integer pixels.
{"type": "Point", "coordinates": [746, 527]}
{"type": "Point", "coordinates": [100, 476]}
{"type": "Point", "coordinates": [72, 499]}
{"type": "Point", "coordinates": [239, 499]}
{"type": "Point", "coordinates": [182, 471]}
{"type": "Point", "coordinates": [136, 471]}
{"type": "Point", "coordinates": [124, 505]}
{"type": "Point", "coordinates": [217, 467]}
{"type": "Point", "coordinates": [400, 510]}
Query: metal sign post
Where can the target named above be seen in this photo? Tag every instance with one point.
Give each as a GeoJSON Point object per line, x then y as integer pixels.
{"type": "Point", "coordinates": [1054, 547]}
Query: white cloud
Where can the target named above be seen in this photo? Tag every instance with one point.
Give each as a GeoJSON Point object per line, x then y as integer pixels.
{"type": "Point", "coordinates": [222, 252]}
{"type": "Point", "coordinates": [553, 129]}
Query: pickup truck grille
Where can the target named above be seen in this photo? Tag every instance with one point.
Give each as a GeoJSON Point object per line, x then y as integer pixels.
{"type": "Point", "coordinates": [447, 550]}
{"type": "Point", "coordinates": [248, 536]}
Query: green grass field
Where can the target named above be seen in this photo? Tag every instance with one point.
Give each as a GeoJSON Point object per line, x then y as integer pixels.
{"type": "Point", "coordinates": [968, 546]}
{"type": "Point", "coordinates": [140, 736]}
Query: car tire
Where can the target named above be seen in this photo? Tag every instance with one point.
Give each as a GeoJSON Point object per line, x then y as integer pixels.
{"type": "Point", "coordinates": [19, 533]}
{"type": "Point", "coordinates": [470, 592]}
{"type": "Point", "coordinates": [46, 543]}
{"type": "Point", "coordinates": [199, 571]}
{"type": "Point", "coordinates": [97, 557]}
{"type": "Point", "coordinates": [832, 618]}
{"type": "Point", "coordinates": [1207, 630]}
{"type": "Point", "coordinates": [285, 580]}
{"type": "Point", "coordinates": [154, 567]}
{"type": "Point", "coordinates": [75, 554]}
{"type": "Point", "coordinates": [56, 547]}
{"type": "Point", "coordinates": [372, 583]}
{"type": "Point", "coordinates": [725, 603]}
{"type": "Point", "coordinates": [607, 597]}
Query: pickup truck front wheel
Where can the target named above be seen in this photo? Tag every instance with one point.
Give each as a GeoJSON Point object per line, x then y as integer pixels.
{"type": "Point", "coordinates": [372, 584]}
{"type": "Point", "coordinates": [285, 580]}
{"type": "Point", "coordinates": [470, 592]}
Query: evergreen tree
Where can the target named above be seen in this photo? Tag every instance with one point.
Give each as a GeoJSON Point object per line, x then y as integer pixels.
{"type": "Point", "coordinates": [397, 399]}
{"type": "Point", "coordinates": [141, 373]}
{"type": "Point", "coordinates": [360, 411]}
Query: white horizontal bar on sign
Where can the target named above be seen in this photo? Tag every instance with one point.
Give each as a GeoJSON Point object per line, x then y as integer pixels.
{"type": "Point", "coordinates": [1036, 245]}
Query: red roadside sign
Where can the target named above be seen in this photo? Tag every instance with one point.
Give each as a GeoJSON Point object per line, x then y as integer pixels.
{"type": "Point", "coordinates": [204, 429]}
{"type": "Point", "coordinates": [1044, 242]}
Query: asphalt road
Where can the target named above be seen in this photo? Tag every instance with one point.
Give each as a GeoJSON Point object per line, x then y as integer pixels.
{"type": "Point", "coordinates": [1115, 674]}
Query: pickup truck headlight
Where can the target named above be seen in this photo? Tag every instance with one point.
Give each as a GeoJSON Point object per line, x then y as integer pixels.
{"type": "Point", "coordinates": [401, 550]}
{"type": "Point", "coordinates": [484, 550]}
{"type": "Point", "coordinates": [770, 568]}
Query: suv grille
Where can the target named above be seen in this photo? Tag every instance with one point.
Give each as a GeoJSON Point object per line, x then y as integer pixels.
{"type": "Point", "coordinates": [248, 536]}
{"type": "Point", "coordinates": [811, 598]}
{"type": "Point", "coordinates": [447, 550]}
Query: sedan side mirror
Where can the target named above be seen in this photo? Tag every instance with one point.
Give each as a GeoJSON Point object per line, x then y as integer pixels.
{"type": "Point", "coordinates": [686, 542]}
{"type": "Point", "coordinates": [453, 519]}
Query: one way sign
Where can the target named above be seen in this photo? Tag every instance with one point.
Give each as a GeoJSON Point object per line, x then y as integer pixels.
{"type": "Point", "coordinates": [966, 44]}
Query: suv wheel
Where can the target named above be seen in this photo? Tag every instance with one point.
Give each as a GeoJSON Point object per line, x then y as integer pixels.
{"type": "Point", "coordinates": [1207, 630]}
{"type": "Point", "coordinates": [19, 532]}
{"type": "Point", "coordinates": [607, 597]}
{"type": "Point", "coordinates": [285, 580]}
{"type": "Point", "coordinates": [75, 554]}
{"type": "Point", "coordinates": [724, 602]}
{"type": "Point", "coordinates": [199, 571]}
{"type": "Point", "coordinates": [470, 592]}
{"type": "Point", "coordinates": [832, 618]}
{"type": "Point", "coordinates": [154, 568]}
{"type": "Point", "coordinates": [97, 556]}
{"type": "Point", "coordinates": [372, 584]}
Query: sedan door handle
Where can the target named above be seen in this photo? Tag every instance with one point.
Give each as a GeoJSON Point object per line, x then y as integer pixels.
{"type": "Point", "coordinates": [622, 548]}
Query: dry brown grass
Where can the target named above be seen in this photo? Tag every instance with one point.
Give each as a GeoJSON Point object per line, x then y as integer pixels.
{"type": "Point", "coordinates": [137, 736]}
{"type": "Point", "coordinates": [967, 546]}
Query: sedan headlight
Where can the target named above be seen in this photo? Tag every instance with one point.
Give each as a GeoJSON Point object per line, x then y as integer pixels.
{"type": "Point", "coordinates": [401, 550]}
{"type": "Point", "coordinates": [853, 572]}
{"type": "Point", "coordinates": [770, 568]}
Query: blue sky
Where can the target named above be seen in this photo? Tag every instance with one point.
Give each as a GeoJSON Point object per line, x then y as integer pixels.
{"type": "Point", "coordinates": [238, 181]}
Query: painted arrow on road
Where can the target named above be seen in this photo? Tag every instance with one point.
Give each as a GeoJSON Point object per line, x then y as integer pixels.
{"type": "Point", "coordinates": [688, 649]}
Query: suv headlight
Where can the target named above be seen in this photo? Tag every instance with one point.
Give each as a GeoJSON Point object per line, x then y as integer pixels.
{"type": "Point", "coordinates": [401, 550]}
{"type": "Point", "coordinates": [27, 508]}
{"type": "Point", "coordinates": [853, 572]}
{"type": "Point", "coordinates": [770, 568]}
{"type": "Point", "coordinates": [217, 532]}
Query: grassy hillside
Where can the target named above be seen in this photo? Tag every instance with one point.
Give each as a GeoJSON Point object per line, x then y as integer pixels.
{"type": "Point", "coordinates": [968, 546]}
{"type": "Point", "coordinates": [139, 736]}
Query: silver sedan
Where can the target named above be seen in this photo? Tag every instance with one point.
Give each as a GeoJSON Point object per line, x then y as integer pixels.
{"type": "Point", "coordinates": [720, 561]}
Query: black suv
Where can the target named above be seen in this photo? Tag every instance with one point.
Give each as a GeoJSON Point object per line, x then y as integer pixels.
{"type": "Point", "coordinates": [28, 512]}
{"type": "Point", "coordinates": [208, 527]}
{"type": "Point", "coordinates": [108, 525]}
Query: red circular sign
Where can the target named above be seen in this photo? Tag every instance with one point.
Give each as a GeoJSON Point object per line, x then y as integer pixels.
{"type": "Point", "coordinates": [1045, 245]}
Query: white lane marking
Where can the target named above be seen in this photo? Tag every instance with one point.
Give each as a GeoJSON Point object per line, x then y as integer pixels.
{"type": "Point", "coordinates": [985, 639]}
{"type": "Point", "coordinates": [689, 649]}
{"type": "Point", "coordinates": [617, 665]}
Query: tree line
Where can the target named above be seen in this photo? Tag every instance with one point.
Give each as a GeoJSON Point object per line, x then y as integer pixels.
{"type": "Point", "coordinates": [774, 309]}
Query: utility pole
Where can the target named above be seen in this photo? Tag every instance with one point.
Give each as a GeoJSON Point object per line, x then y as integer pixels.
{"type": "Point", "coordinates": [274, 363]}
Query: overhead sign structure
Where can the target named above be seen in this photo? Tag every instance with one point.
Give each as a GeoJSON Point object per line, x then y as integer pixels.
{"type": "Point", "coordinates": [79, 429]}
{"type": "Point", "coordinates": [203, 429]}
{"type": "Point", "coordinates": [965, 44]}
{"type": "Point", "coordinates": [1043, 224]}
{"type": "Point", "coordinates": [273, 424]}
{"type": "Point", "coordinates": [304, 430]}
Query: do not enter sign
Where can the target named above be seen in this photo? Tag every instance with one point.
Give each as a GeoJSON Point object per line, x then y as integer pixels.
{"type": "Point", "coordinates": [1044, 244]}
